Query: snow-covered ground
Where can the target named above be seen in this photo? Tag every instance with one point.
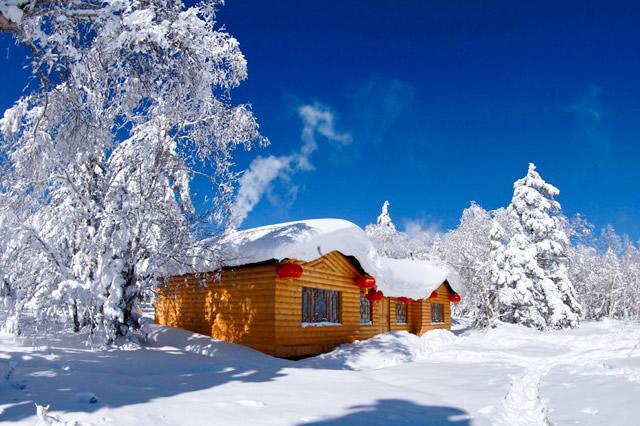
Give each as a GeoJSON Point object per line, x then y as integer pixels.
{"type": "Point", "coordinates": [507, 376]}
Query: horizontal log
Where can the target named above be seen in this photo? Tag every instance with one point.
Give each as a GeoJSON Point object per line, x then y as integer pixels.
{"type": "Point", "coordinates": [317, 281]}
{"type": "Point", "coordinates": [239, 287]}
{"type": "Point", "coordinates": [305, 333]}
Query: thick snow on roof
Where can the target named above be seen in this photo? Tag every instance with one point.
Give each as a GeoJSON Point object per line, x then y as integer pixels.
{"type": "Point", "coordinates": [307, 240]}
{"type": "Point", "coordinates": [415, 278]}
{"type": "Point", "coordinates": [304, 240]}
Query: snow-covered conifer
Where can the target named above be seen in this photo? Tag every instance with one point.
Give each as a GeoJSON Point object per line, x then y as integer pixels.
{"type": "Point", "coordinates": [537, 248]}
{"type": "Point", "coordinates": [513, 274]}
{"type": "Point", "coordinates": [384, 235]}
{"type": "Point", "coordinates": [384, 220]}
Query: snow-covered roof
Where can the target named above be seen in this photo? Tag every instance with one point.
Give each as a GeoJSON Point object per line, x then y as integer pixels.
{"type": "Point", "coordinates": [310, 239]}
{"type": "Point", "coordinates": [414, 278]}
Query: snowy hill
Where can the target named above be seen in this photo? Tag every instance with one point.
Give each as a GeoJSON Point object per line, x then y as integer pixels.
{"type": "Point", "coordinates": [508, 376]}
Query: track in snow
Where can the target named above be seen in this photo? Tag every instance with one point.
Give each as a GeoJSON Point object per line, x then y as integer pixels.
{"type": "Point", "coordinates": [523, 405]}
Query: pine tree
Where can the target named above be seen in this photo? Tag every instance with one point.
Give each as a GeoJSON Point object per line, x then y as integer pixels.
{"type": "Point", "coordinates": [537, 250]}
{"type": "Point", "coordinates": [384, 220]}
{"type": "Point", "coordinates": [514, 271]}
{"type": "Point", "coordinates": [384, 235]}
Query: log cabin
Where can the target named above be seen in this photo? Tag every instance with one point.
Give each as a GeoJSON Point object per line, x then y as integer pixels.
{"type": "Point", "coordinates": [302, 288]}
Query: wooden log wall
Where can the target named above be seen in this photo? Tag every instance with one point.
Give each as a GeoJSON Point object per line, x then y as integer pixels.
{"type": "Point", "coordinates": [424, 311]}
{"type": "Point", "coordinates": [238, 308]}
{"type": "Point", "coordinates": [333, 272]}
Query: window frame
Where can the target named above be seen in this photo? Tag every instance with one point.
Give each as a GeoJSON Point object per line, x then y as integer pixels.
{"type": "Point", "coordinates": [369, 322]}
{"type": "Point", "coordinates": [310, 299]}
{"type": "Point", "coordinates": [440, 310]}
{"type": "Point", "coordinates": [402, 306]}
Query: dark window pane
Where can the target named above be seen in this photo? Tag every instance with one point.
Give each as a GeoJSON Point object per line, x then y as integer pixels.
{"type": "Point", "coordinates": [320, 305]}
{"type": "Point", "coordinates": [437, 312]}
{"type": "Point", "coordinates": [365, 310]}
{"type": "Point", "coordinates": [401, 313]}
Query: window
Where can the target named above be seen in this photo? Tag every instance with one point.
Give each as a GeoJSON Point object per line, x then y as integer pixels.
{"type": "Point", "coordinates": [320, 306]}
{"type": "Point", "coordinates": [437, 313]}
{"type": "Point", "coordinates": [365, 311]}
{"type": "Point", "coordinates": [401, 313]}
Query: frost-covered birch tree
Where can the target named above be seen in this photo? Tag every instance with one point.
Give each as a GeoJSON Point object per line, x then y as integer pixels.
{"type": "Point", "coordinates": [606, 274]}
{"type": "Point", "coordinates": [466, 248]}
{"type": "Point", "coordinates": [98, 160]}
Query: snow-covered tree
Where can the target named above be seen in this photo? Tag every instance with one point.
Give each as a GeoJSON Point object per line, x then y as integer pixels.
{"type": "Point", "coordinates": [466, 248]}
{"type": "Point", "coordinates": [585, 272]}
{"type": "Point", "coordinates": [618, 286]}
{"type": "Point", "coordinates": [629, 297]}
{"type": "Point", "coordinates": [514, 273]}
{"type": "Point", "coordinates": [414, 243]}
{"type": "Point", "coordinates": [384, 235]}
{"type": "Point", "coordinates": [533, 283]}
{"type": "Point", "coordinates": [97, 163]}
{"type": "Point", "coordinates": [606, 274]}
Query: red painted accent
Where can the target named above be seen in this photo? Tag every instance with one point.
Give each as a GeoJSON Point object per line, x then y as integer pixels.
{"type": "Point", "coordinates": [288, 269]}
{"type": "Point", "coordinates": [366, 282]}
{"type": "Point", "coordinates": [434, 295]}
{"type": "Point", "coordinates": [375, 295]}
{"type": "Point", "coordinates": [455, 298]}
{"type": "Point", "coordinates": [405, 300]}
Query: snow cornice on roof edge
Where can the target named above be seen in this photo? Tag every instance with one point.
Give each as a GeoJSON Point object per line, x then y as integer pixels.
{"type": "Point", "coordinates": [307, 240]}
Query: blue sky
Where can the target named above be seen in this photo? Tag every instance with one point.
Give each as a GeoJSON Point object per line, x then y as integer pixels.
{"type": "Point", "coordinates": [443, 102]}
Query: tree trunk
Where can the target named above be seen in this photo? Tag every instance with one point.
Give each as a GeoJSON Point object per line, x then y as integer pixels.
{"type": "Point", "coordinates": [130, 296]}
{"type": "Point", "coordinates": [74, 314]}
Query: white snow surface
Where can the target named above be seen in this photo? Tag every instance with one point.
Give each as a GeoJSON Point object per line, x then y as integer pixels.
{"type": "Point", "coordinates": [321, 324]}
{"type": "Point", "coordinates": [510, 375]}
{"type": "Point", "coordinates": [309, 239]}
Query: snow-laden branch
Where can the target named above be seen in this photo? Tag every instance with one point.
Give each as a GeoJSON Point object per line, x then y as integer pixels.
{"type": "Point", "coordinates": [100, 157]}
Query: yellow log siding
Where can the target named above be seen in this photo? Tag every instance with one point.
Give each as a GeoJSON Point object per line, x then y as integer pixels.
{"type": "Point", "coordinates": [238, 307]}
{"type": "Point", "coordinates": [424, 307]}
{"type": "Point", "coordinates": [251, 305]}
{"type": "Point", "coordinates": [393, 321]}
{"type": "Point", "coordinates": [330, 272]}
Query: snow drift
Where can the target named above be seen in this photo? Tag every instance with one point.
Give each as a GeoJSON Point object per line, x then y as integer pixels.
{"type": "Point", "coordinates": [382, 351]}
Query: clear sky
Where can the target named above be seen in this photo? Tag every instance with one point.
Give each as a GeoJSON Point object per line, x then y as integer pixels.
{"type": "Point", "coordinates": [444, 102]}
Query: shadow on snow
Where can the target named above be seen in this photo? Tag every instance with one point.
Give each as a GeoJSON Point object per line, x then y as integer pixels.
{"type": "Point", "coordinates": [63, 373]}
{"type": "Point", "coordinates": [397, 412]}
